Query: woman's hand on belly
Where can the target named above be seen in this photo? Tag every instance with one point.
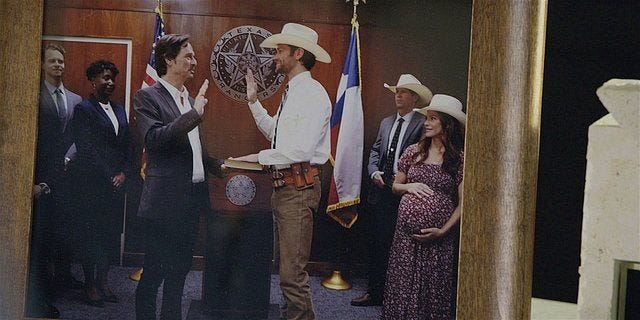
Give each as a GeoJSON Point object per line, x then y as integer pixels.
{"type": "Point", "coordinates": [418, 189]}
{"type": "Point", "coordinates": [428, 234]}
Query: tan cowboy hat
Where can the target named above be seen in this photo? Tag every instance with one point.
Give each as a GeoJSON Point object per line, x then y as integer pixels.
{"type": "Point", "coordinates": [408, 81]}
{"type": "Point", "coordinates": [446, 104]}
{"type": "Point", "coordinates": [300, 36]}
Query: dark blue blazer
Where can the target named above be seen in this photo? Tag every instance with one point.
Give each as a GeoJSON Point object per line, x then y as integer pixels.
{"type": "Point", "coordinates": [101, 153]}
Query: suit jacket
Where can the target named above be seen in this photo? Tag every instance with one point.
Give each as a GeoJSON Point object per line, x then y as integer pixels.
{"type": "Point", "coordinates": [167, 187]}
{"type": "Point", "coordinates": [378, 153]}
{"type": "Point", "coordinates": [54, 137]}
{"type": "Point", "coordinates": [101, 153]}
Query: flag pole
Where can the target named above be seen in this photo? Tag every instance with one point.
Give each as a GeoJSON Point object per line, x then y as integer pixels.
{"type": "Point", "coordinates": [136, 274]}
{"type": "Point", "coordinates": [335, 281]}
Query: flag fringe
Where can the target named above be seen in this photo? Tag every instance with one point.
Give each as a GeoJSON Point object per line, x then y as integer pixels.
{"type": "Point", "coordinates": [344, 218]}
{"type": "Point", "coordinates": [343, 204]}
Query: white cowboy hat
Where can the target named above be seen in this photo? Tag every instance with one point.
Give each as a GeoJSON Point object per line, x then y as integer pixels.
{"type": "Point", "coordinates": [300, 36]}
{"type": "Point", "coordinates": [408, 81]}
{"type": "Point", "coordinates": [446, 104]}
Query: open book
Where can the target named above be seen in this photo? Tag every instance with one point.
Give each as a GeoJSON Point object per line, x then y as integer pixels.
{"type": "Point", "coordinates": [243, 165]}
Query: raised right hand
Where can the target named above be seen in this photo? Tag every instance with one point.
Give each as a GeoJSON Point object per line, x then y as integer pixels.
{"type": "Point", "coordinates": [252, 87]}
{"type": "Point", "coordinates": [201, 101]}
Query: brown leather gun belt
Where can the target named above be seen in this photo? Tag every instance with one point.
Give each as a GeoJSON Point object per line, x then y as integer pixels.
{"type": "Point", "coordinates": [301, 175]}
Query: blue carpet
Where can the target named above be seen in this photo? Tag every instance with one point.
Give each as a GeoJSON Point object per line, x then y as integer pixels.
{"type": "Point", "coordinates": [328, 304]}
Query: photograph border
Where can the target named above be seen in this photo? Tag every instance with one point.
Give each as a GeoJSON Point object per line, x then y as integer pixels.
{"type": "Point", "coordinates": [504, 103]}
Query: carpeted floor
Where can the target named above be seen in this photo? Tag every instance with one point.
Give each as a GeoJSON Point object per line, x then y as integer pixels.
{"type": "Point", "coordinates": [329, 304]}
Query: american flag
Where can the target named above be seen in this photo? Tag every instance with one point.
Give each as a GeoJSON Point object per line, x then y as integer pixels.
{"type": "Point", "coordinates": [347, 139]}
{"type": "Point", "coordinates": [151, 75]}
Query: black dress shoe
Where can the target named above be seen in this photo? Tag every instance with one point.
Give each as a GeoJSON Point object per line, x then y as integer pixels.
{"type": "Point", "coordinates": [44, 311]}
{"type": "Point", "coordinates": [69, 282]}
{"type": "Point", "coordinates": [93, 297]}
{"type": "Point", "coordinates": [108, 296]}
{"type": "Point", "coordinates": [366, 300]}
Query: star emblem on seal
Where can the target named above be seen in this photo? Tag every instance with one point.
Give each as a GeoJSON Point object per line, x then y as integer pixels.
{"type": "Point", "coordinates": [237, 50]}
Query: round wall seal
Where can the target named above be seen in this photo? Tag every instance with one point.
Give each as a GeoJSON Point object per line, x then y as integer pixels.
{"type": "Point", "coordinates": [240, 190]}
{"type": "Point", "coordinates": [237, 50]}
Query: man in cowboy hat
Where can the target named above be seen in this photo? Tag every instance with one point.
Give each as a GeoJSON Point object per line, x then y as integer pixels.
{"type": "Point", "coordinates": [396, 132]}
{"type": "Point", "coordinates": [300, 142]}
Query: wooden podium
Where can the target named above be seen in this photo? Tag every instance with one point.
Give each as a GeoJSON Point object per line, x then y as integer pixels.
{"type": "Point", "coordinates": [238, 254]}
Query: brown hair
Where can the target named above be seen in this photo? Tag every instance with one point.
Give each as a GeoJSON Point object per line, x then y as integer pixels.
{"type": "Point", "coordinates": [52, 46]}
{"type": "Point", "coordinates": [453, 140]}
{"type": "Point", "coordinates": [308, 59]}
{"type": "Point", "coordinates": [168, 47]}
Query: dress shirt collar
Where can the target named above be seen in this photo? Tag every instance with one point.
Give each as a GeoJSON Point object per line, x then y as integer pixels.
{"type": "Point", "coordinates": [407, 117]}
{"type": "Point", "coordinates": [51, 88]}
{"type": "Point", "coordinates": [175, 93]}
{"type": "Point", "coordinates": [299, 78]}
{"type": "Point", "coordinates": [105, 106]}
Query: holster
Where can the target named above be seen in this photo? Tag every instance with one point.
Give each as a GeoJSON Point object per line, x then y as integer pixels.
{"type": "Point", "coordinates": [301, 175]}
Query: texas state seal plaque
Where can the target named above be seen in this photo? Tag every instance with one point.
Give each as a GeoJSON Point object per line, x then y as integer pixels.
{"type": "Point", "coordinates": [237, 50]}
{"type": "Point", "coordinates": [240, 190]}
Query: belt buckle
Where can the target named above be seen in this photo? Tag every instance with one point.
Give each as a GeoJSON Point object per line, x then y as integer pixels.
{"type": "Point", "coordinates": [276, 174]}
{"type": "Point", "coordinates": [277, 183]}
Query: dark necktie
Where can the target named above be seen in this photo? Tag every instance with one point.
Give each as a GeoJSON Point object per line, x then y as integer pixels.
{"type": "Point", "coordinates": [391, 154]}
{"type": "Point", "coordinates": [284, 99]}
{"type": "Point", "coordinates": [62, 112]}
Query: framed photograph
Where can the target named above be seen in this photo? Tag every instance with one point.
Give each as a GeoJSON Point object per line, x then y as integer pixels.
{"type": "Point", "coordinates": [502, 88]}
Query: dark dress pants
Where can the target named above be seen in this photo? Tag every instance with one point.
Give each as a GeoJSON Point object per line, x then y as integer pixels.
{"type": "Point", "coordinates": [383, 216]}
{"type": "Point", "coordinates": [50, 243]}
{"type": "Point", "coordinates": [169, 246]}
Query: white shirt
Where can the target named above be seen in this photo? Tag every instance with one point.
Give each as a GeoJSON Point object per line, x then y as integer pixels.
{"type": "Point", "coordinates": [194, 135]}
{"type": "Point", "coordinates": [407, 118]}
{"type": "Point", "coordinates": [51, 88]}
{"type": "Point", "coordinates": [303, 129]}
{"type": "Point", "coordinates": [112, 116]}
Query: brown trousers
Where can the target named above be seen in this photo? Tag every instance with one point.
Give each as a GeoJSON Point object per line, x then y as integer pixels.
{"type": "Point", "coordinates": [293, 231]}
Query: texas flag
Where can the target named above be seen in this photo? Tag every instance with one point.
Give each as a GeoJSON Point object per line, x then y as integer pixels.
{"type": "Point", "coordinates": [347, 136]}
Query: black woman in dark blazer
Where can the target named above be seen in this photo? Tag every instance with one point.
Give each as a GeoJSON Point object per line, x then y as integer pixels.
{"type": "Point", "coordinates": [104, 144]}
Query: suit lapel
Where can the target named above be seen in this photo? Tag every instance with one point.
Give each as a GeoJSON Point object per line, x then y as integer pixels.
{"type": "Point", "coordinates": [103, 115]}
{"type": "Point", "coordinates": [168, 99]}
{"type": "Point", "coordinates": [416, 122]}
{"type": "Point", "coordinates": [50, 105]}
{"type": "Point", "coordinates": [387, 124]}
{"type": "Point", "coordinates": [121, 115]}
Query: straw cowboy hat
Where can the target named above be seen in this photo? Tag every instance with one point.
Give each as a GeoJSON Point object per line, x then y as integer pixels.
{"type": "Point", "coordinates": [446, 104]}
{"type": "Point", "coordinates": [408, 81]}
{"type": "Point", "coordinates": [300, 36]}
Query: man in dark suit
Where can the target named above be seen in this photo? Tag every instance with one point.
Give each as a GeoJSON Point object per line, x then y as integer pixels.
{"type": "Point", "coordinates": [395, 134]}
{"type": "Point", "coordinates": [175, 189]}
{"type": "Point", "coordinates": [51, 235]}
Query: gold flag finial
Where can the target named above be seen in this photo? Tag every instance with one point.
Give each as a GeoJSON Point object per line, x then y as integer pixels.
{"type": "Point", "coordinates": [158, 9]}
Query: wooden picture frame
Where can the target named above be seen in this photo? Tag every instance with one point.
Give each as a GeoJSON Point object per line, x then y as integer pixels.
{"type": "Point", "coordinates": [501, 157]}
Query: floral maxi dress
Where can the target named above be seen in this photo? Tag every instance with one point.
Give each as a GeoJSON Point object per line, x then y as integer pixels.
{"type": "Point", "coordinates": [421, 277]}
